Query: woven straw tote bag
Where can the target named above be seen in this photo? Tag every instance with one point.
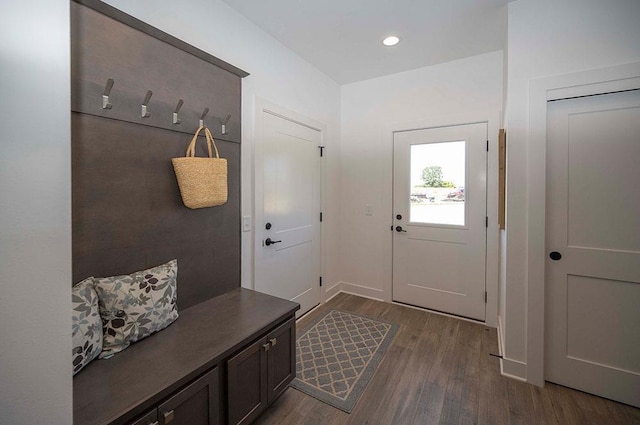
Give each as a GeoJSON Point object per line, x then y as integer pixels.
{"type": "Point", "coordinates": [202, 181]}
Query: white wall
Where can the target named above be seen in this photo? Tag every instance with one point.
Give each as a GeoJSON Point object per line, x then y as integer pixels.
{"type": "Point", "coordinates": [277, 75]}
{"type": "Point", "coordinates": [368, 108]}
{"type": "Point", "coordinates": [35, 230]}
{"type": "Point", "coordinates": [545, 38]}
{"type": "Point", "coordinates": [35, 214]}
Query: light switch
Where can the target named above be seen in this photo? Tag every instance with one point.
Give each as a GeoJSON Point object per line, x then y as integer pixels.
{"type": "Point", "coordinates": [246, 223]}
{"type": "Point", "coordinates": [368, 210]}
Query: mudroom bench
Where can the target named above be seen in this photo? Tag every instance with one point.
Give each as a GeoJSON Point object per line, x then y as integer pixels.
{"type": "Point", "coordinates": [221, 363]}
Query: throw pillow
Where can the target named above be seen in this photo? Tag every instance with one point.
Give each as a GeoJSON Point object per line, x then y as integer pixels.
{"type": "Point", "coordinates": [86, 329]}
{"type": "Point", "coordinates": [134, 306]}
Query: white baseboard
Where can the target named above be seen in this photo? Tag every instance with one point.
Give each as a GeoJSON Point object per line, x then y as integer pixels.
{"type": "Point", "coordinates": [332, 291]}
{"type": "Point", "coordinates": [513, 369]}
{"type": "Point", "coordinates": [362, 291]}
{"type": "Point", "coordinates": [500, 336]}
{"type": "Point", "coordinates": [510, 368]}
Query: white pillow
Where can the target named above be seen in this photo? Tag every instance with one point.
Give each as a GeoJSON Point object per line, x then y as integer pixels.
{"type": "Point", "coordinates": [86, 324]}
{"type": "Point", "coordinates": [134, 306]}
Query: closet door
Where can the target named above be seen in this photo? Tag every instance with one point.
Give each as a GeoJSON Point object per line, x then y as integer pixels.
{"type": "Point", "coordinates": [592, 304]}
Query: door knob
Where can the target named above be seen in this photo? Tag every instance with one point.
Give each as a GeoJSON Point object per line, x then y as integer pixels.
{"type": "Point", "coordinates": [268, 242]}
{"type": "Point", "coordinates": [400, 229]}
{"type": "Point", "coordinates": [555, 255]}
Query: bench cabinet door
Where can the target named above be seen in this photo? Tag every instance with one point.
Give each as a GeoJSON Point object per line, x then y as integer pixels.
{"type": "Point", "coordinates": [247, 383]}
{"type": "Point", "coordinates": [150, 418]}
{"type": "Point", "coordinates": [281, 358]}
{"type": "Point", "coordinates": [197, 404]}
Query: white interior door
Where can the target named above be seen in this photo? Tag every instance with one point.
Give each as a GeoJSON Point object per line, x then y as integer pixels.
{"type": "Point", "coordinates": [287, 247]}
{"type": "Point", "coordinates": [439, 242]}
{"type": "Point", "coordinates": [592, 303]}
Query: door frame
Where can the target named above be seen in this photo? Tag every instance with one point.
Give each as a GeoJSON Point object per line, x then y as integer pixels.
{"type": "Point", "coordinates": [584, 83]}
{"type": "Point", "coordinates": [493, 120]}
{"type": "Point", "coordinates": [265, 106]}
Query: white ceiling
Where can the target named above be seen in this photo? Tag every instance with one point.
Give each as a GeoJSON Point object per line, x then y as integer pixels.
{"type": "Point", "coordinates": [342, 38]}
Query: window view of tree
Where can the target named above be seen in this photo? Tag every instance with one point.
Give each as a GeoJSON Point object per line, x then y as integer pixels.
{"type": "Point", "coordinates": [432, 177]}
{"type": "Point", "coordinates": [437, 179]}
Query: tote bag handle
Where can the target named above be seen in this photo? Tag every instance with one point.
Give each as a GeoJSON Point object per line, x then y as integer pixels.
{"type": "Point", "coordinates": [191, 149]}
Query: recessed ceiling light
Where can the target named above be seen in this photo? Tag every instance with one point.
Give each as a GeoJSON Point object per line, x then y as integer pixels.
{"type": "Point", "coordinates": [392, 40]}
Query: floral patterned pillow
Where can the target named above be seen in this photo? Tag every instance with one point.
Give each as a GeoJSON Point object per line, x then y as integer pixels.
{"type": "Point", "coordinates": [86, 327]}
{"type": "Point", "coordinates": [134, 306]}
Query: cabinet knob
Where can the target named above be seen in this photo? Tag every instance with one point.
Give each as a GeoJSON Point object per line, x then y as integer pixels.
{"type": "Point", "coordinates": [273, 341]}
{"type": "Point", "coordinates": [266, 346]}
{"type": "Point", "coordinates": [168, 417]}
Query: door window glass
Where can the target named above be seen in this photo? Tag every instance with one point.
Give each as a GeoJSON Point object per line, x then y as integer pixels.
{"type": "Point", "coordinates": [437, 192]}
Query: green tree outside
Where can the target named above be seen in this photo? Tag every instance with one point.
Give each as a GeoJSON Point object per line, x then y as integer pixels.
{"type": "Point", "coordinates": [432, 177]}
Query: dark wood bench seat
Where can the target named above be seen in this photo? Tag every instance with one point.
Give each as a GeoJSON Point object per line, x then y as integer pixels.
{"type": "Point", "coordinates": [120, 389]}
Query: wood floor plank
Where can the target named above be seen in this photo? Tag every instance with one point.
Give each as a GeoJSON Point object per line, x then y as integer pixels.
{"type": "Point", "coordinates": [543, 406]}
{"type": "Point", "coordinates": [414, 372]}
{"type": "Point", "coordinates": [493, 406]}
{"type": "Point", "coordinates": [433, 395]}
{"type": "Point", "coordinates": [591, 410]}
{"type": "Point", "coordinates": [564, 404]}
{"type": "Point", "coordinates": [469, 396]}
{"type": "Point", "coordinates": [521, 409]}
{"type": "Point", "coordinates": [453, 400]}
{"type": "Point", "coordinates": [632, 412]}
{"type": "Point", "coordinates": [438, 370]}
{"type": "Point", "coordinates": [492, 409]}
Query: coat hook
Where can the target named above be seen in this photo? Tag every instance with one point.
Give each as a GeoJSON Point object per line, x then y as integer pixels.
{"type": "Point", "coordinates": [224, 123]}
{"type": "Point", "coordinates": [176, 120]}
{"type": "Point", "coordinates": [105, 95]}
{"type": "Point", "coordinates": [144, 113]}
{"type": "Point", "coordinates": [204, 114]}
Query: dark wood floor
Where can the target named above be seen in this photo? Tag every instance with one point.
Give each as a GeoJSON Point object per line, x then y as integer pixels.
{"type": "Point", "coordinates": [438, 371]}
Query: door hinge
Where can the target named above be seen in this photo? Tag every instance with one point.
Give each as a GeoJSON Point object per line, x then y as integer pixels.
{"type": "Point", "coordinates": [486, 221]}
{"type": "Point", "coordinates": [321, 150]}
{"type": "Point", "coordinates": [485, 297]}
{"type": "Point", "coordinates": [320, 216]}
{"type": "Point", "coordinates": [320, 280]}
{"type": "Point", "coordinates": [487, 146]}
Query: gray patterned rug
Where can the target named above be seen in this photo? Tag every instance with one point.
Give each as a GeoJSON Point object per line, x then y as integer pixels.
{"type": "Point", "coordinates": [338, 355]}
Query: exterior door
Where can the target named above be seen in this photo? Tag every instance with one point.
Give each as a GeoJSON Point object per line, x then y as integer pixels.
{"type": "Point", "coordinates": [288, 215]}
{"type": "Point", "coordinates": [440, 208]}
{"type": "Point", "coordinates": [592, 303]}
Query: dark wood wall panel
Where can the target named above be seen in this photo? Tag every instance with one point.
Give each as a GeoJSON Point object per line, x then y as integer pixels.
{"type": "Point", "coordinates": [103, 47]}
{"type": "Point", "coordinates": [127, 211]}
{"type": "Point", "coordinates": [128, 214]}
